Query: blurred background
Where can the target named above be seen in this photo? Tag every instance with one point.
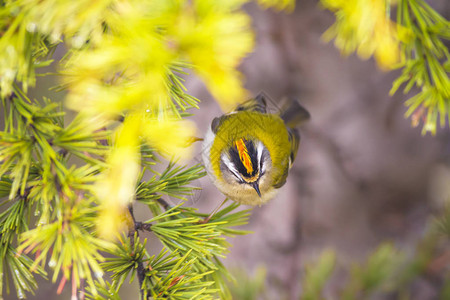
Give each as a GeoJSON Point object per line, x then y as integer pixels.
{"type": "Point", "coordinates": [362, 176]}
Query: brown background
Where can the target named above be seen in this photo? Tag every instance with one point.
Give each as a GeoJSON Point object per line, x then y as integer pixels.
{"type": "Point", "coordinates": [363, 175]}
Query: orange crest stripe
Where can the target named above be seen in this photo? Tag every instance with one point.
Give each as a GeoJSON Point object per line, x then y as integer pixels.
{"type": "Point", "coordinates": [243, 155]}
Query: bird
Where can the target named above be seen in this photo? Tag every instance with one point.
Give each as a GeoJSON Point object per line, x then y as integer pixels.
{"type": "Point", "coordinates": [248, 152]}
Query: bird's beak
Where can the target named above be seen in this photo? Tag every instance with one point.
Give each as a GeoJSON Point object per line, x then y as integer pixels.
{"type": "Point", "coordinates": [256, 187]}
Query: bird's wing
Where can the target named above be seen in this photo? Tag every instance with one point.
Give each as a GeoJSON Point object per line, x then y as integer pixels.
{"type": "Point", "coordinates": [258, 104]}
{"type": "Point", "coordinates": [294, 115]}
{"type": "Point", "coordinates": [294, 140]}
{"type": "Point", "coordinates": [282, 179]}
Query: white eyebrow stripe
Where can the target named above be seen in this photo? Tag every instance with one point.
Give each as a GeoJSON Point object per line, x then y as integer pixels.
{"type": "Point", "coordinates": [230, 166]}
{"type": "Point", "coordinates": [259, 151]}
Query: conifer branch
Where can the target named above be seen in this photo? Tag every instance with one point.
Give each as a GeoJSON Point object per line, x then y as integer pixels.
{"type": "Point", "coordinates": [131, 110]}
{"type": "Point", "coordinates": [140, 265]}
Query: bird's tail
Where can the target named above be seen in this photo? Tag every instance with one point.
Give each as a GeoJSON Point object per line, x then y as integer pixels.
{"type": "Point", "coordinates": [294, 114]}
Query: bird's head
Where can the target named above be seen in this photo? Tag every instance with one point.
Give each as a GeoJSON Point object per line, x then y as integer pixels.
{"type": "Point", "coordinates": [245, 162]}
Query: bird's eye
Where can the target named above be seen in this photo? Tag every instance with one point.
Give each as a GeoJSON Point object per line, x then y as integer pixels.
{"type": "Point", "coordinates": [232, 169]}
{"type": "Point", "coordinates": [239, 179]}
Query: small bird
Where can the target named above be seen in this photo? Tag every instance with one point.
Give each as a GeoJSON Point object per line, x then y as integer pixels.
{"type": "Point", "coordinates": [248, 152]}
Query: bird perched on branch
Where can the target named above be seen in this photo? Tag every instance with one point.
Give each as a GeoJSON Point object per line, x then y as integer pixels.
{"type": "Point", "coordinates": [248, 152]}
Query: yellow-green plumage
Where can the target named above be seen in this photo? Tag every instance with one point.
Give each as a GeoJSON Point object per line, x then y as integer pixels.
{"type": "Point", "coordinates": [248, 152]}
{"type": "Point", "coordinates": [268, 128]}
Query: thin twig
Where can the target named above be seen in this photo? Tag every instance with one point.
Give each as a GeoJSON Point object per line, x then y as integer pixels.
{"type": "Point", "coordinates": [208, 218]}
{"type": "Point", "coordinates": [142, 226]}
{"type": "Point", "coordinates": [82, 294]}
{"type": "Point", "coordinates": [163, 203]}
{"type": "Point", "coordinates": [140, 265]}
